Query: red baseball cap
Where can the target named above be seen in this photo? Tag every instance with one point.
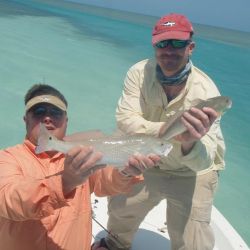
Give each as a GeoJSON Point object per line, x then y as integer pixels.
{"type": "Point", "coordinates": [172, 26]}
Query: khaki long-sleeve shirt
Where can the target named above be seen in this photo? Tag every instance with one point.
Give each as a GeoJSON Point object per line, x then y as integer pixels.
{"type": "Point", "coordinates": [143, 108]}
{"type": "Point", "coordinates": [34, 214]}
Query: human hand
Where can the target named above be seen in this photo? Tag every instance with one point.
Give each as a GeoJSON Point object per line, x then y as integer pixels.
{"type": "Point", "coordinates": [197, 123]}
{"type": "Point", "coordinates": [79, 164]}
{"type": "Point", "coordinates": [138, 163]}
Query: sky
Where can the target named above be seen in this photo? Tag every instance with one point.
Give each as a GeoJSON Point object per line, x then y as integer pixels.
{"type": "Point", "coordinates": [231, 14]}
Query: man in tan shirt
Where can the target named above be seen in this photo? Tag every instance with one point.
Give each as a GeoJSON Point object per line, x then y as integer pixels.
{"type": "Point", "coordinates": [154, 90]}
{"type": "Point", "coordinates": [45, 198]}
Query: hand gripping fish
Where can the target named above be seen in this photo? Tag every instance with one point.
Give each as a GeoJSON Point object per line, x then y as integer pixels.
{"type": "Point", "coordinates": [175, 126]}
{"type": "Point", "coordinates": [116, 149]}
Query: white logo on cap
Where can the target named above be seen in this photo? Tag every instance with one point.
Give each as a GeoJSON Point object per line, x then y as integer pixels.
{"type": "Point", "coordinates": [171, 24]}
{"type": "Point", "coordinates": [45, 98]}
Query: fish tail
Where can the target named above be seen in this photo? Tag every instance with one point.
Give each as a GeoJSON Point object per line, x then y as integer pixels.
{"type": "Point", "coordinates": [44, 140]}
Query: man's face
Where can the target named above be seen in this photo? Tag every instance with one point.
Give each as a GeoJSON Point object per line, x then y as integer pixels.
{"type": "Point", "coordinates": [54, 119]}
{"type": "Point", "coordinates": [171, 60]}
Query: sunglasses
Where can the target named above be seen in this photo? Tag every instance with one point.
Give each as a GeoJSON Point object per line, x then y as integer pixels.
{"type": "Point", "coordinates": [41, 111]}
{"type": "Point", "coordinates": [176, 44]}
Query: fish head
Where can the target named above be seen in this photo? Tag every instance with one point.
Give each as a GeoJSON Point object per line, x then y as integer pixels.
{"type": "Point", "coordinates": [221, 104]}
{"type": "Point", "coordinates": [228, 102]}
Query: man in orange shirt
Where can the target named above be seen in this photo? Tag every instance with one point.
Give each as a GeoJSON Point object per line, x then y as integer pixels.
{"type": "Point", "coordinates": [45, 198]}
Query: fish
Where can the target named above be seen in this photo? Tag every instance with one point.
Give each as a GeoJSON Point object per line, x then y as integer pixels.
{"type": "Point", "coordinates": [174, 126]}
{"type": "Point", "coordinates": [116, 149]}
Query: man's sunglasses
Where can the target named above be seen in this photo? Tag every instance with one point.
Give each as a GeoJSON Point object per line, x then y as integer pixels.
{"type": "Point", "coordinates": [41, 111]}
{"type": "Point", "coordinates": [176, 44]}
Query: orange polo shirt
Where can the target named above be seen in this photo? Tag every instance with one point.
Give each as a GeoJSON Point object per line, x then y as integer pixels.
{"type": "Point", "coordinates": [34, 214]}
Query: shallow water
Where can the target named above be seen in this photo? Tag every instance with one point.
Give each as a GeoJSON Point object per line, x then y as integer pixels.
{"type": "Point", "coordinates": [86, 52]}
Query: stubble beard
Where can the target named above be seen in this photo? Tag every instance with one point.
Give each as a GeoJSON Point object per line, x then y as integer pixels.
{"type": "Point", "coordinates": [169, 63]}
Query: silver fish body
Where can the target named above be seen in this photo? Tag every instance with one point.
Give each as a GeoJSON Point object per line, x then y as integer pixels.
{"type": "Point", "coordinates": [115, 149]}
{"type": "Point", "coordinates": [175, 126]}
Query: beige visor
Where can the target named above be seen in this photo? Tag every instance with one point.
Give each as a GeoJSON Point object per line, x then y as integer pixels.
{"type": "Point", "coordinates": [46, 99]}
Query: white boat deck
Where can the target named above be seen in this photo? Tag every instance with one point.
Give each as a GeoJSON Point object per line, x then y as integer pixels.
{"type": "Point", "coordinates": [149, 236]}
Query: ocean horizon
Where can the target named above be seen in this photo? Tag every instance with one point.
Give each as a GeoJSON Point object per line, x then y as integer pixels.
{"type": "Point", "coordinates": [85, 52]}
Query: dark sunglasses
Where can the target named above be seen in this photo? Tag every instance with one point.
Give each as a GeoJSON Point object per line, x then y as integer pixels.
{"type": "Point", "coordinates": [41, 111]}
{"type": "Point", "coordinates": [176, 44]}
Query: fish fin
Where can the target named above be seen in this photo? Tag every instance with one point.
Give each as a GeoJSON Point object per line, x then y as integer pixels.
{"type": "Point", "coordinates": [117, 133]}
{"type": "Point", "coordinates": [44, 138]}
{"type": "Point", "coordinates": [86, 135]}
{"type": "Point", "coordinates": [168, 148]}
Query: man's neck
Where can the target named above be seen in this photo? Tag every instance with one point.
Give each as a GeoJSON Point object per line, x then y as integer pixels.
{"type": "Point", "coordinates": [173, 91]}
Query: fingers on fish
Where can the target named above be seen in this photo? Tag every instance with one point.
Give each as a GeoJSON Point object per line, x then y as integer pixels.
{"type": "Point", "coordinates": [141, 165]}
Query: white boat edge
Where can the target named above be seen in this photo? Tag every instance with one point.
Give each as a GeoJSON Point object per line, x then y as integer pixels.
{"type": "Point", "coordinates": [153, 228]}
{"type": "Point", "coordinates": [225, 234]}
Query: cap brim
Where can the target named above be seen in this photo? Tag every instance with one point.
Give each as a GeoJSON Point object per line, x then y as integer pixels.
{"type": "Point", "coordinates": [53, 100]}
{"type": "Point", "coordinates": [170, 35]}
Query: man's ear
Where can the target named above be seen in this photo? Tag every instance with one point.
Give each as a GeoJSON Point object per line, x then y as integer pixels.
{"type": "Point", "coordinates": [24, 118]}
{"type": "Point", "coordinates": [191, 48]}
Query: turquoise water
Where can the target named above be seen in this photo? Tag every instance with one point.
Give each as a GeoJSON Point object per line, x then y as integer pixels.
{"type": "Point", "coordinates": [86, 51]}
